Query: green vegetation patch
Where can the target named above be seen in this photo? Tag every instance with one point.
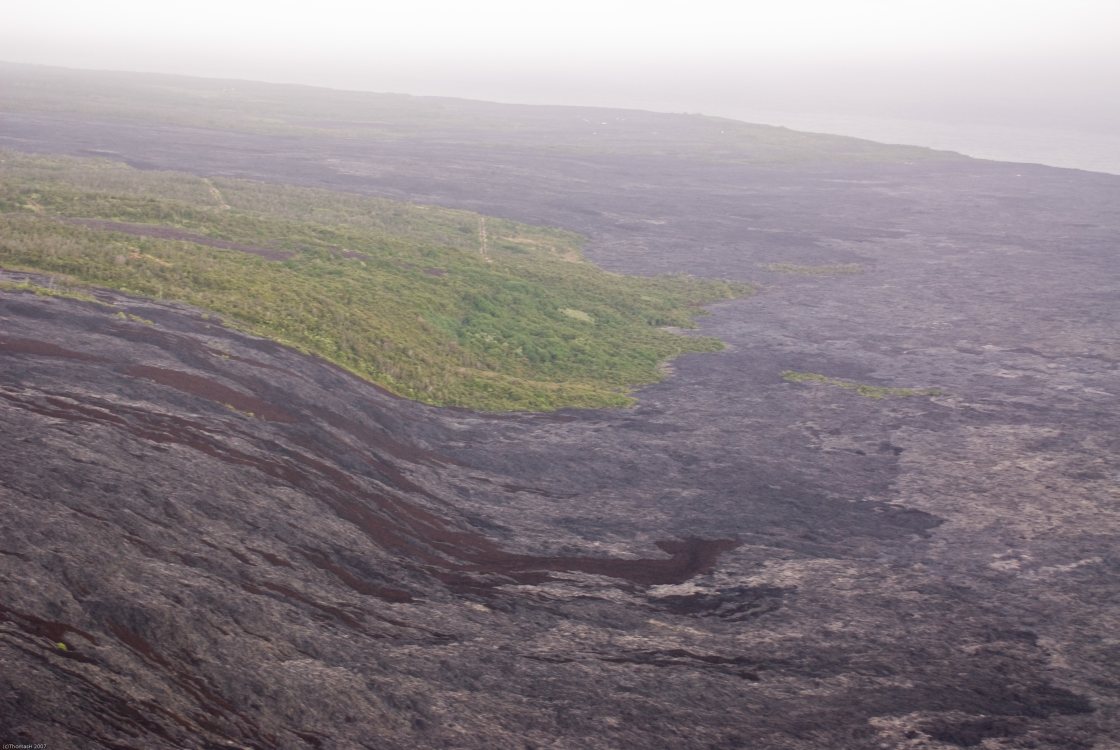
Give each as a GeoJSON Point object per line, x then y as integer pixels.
{"type": "Point", "coordinates": [840, 269]}
{"type": "Point", "coordinates": [44, 290]}
{"type": "Point", "coordinates": [863, 389]}
{"type": "Point", "coordinates": [433, 304]}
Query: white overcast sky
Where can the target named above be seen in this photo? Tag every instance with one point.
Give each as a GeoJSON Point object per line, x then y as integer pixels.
{"type": "Point", "coordinates": [1056, 62]}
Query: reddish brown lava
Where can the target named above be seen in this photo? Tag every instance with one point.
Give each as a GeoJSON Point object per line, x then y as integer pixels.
{"type": "Point", "coordinates": [455, 555]}
{"type": "Point", "coordinates": [44, 349]}
{"type": "Point", "coordinates": [196, 385]}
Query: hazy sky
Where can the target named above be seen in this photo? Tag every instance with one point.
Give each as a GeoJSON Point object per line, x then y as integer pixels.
{"type": "Point", "coordinates": [1051, 63]}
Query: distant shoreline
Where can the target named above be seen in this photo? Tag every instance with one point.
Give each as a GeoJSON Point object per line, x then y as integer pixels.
{"type": "Point", "coordinates": [1056, 147]}
{"type": "Point", "coordinates": [1091, 148]}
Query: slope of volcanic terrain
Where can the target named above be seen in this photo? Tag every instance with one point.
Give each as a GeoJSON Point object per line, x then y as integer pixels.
{"type": "Point", "coordinates": [885, 516]}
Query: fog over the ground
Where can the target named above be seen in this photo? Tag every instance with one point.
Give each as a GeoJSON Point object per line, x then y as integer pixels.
{"type": "Point", "coordinates": [1031, 80]}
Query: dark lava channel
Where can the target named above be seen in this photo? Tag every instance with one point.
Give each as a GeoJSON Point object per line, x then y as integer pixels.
{"type": "Point", "coordinates": [240, 546]}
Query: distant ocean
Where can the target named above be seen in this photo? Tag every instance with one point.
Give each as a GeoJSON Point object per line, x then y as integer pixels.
{"type": "Point", "coordinates": [1076, 149]}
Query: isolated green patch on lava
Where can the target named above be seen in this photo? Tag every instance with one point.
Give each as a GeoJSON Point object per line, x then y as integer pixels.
{"type": "Point", "coordinates": [863, 389]}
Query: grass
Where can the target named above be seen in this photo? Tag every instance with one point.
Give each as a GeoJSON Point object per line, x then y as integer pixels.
{"type": "Point", "coordinates": [134, 318]}
{"type": "Point", "coordinates": [399, 294]}
{"type": "Point", "coordinates": [46, 291]}
{"type": "Point", "coordinates": [863, 389]}
{"type": "Point", "coordinates": [840, 269]}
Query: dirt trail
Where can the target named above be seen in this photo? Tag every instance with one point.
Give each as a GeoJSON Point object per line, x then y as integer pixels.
{"type": "Point", "coordinates": [483, 240]}
{"type": "Point", "coordinates": [216, 194]}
